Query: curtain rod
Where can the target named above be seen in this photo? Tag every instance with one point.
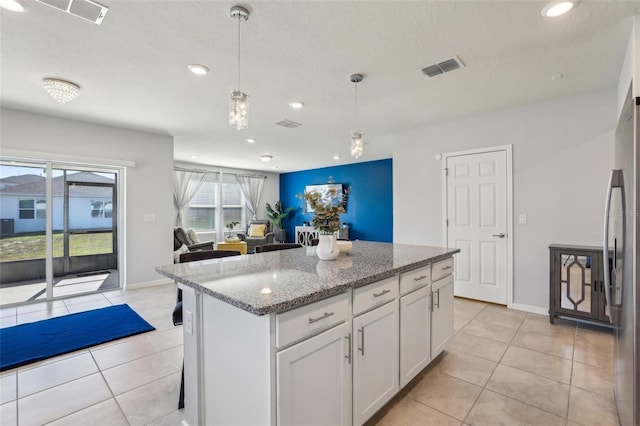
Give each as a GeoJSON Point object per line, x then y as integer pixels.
{"type": "Point", "coordinates": [184, 169]}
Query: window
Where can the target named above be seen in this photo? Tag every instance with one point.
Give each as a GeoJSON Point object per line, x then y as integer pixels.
{"type": "Point", "coordinates": [217, 204]}
{"type": "Point", "coordinates": [101, 209]}
{"type": "Point", "coordinates": [32, 209]}
{"type": "Point", "coordinates": [202, 208]}
{"type": "Point", "coordinates": [233, 209]}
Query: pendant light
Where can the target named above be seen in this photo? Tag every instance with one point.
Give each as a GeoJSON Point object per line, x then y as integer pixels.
{"type": "Point", "coordinates": [357, 143]}
{"type": "Point", "coordinates": [239, 102]}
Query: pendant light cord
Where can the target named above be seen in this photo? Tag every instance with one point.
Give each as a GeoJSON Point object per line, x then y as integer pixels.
{"type": "Point", "coordinates": [356, 84]}
{"type": "Point", "coordinates": [239, 18]}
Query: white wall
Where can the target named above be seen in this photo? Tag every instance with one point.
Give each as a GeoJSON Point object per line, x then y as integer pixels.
{"type": "Point", "coordinates": [630, 70]}
{"type": "Point", "coordinates": [149, 185]}
{"type": "Point", "coordinates": [562, 152]}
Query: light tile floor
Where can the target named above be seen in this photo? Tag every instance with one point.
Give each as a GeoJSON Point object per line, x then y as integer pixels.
{"type": "Point", "coordinates": [503, 367]}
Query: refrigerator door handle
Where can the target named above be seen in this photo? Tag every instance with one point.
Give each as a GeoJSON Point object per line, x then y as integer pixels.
{"type": "Point", "coordinates": [605, 242]}
{"type": "Point", "coordinates": [615, 181]}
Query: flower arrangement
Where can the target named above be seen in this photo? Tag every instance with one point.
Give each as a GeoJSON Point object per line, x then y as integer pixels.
{"type": "Point", "coordinates": [325, 209]}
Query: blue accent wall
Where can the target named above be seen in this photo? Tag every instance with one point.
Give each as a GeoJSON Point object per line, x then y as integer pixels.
{"type": "Point", "coordinates": [369, 204]}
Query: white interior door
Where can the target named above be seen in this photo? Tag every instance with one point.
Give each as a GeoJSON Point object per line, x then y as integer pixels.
{"type": "Point", "coordinates": [476, 190]}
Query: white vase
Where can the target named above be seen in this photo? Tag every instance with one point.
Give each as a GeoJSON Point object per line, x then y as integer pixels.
{"type": "Point", "coordinates": [327, 247]}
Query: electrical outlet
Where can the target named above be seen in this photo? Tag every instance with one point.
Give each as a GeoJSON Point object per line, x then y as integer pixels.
{"type": "Point", "coordinates": [187, 322]}
{"type": "Point", "coordinates": [149, 217]}
{"type": "Point", "coordinates": [522, 219]}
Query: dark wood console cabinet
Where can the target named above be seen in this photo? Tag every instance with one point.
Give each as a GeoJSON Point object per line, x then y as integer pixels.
{"type": "Point", "coordinates": [576, 284]}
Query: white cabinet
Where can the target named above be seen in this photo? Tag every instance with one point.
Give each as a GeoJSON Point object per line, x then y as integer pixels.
{"type": "Point", "coordinates": [442, 315]}
{"type": "Point", "coordinates": [415, 333]}
{"type": "Point", "coordinates": [375, 360]}
{"type": "Point", "coordinates": [314, 380]}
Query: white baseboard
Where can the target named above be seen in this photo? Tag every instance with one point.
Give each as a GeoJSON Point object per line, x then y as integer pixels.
{"type": "Point", "coordinates": [528, 308]}
{"type": "Point", "coordinates": [148, 284]}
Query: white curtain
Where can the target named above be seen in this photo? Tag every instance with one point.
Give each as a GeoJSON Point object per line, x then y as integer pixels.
{"type": "Point", "coordinates": [186, 184]}
{"type": "Point", "coordinates": [252, 189]}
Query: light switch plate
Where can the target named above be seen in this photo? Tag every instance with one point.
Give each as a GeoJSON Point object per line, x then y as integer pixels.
{"type": "Point", "coordinates": [522, 219]}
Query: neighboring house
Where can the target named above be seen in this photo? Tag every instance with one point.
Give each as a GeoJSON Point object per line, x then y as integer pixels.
{"type": "Point", "coordinates": [22, 200]}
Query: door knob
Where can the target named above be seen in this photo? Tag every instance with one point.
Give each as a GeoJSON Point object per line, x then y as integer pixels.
{"type": "Point", "coordinates": [500, 235]}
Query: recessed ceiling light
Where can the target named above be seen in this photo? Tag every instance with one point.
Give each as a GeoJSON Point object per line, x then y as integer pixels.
{"type": "Point", "coordinates": [266, 158]}
{"type": "Point", "coordinates": [12, 5]}
{"type": "Point", "coordinates": [296, 104]}
{"type": "Point", "coordinates": [336, 157]}
{"type": "Point", "coordinates": [275, 167]}
{"type": "Point", "coordinates": [557, 8]}
{"type": "Point", "coordinates": [194, 156]}
{"type": "Point", "coordinates": [250, 140]}
{"type": "Point", "coordinates": [198, 69]}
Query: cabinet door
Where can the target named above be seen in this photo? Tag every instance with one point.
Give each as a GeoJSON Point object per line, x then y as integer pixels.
{"type": "Point", "coordinates": [576, 283]}
{"type": "Point", "coordinates": [375, 364]}
{"type": "Point", "coordinates": [314, 380]}
{"type": "Point", "coordinates": [415, 334]}
{"type": "Point", "coordinates": [442, 315]}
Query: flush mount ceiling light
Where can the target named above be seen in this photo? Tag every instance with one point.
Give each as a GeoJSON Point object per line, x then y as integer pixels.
{"type": "Point", "coordinates": [357, 143]}
{"type": "Point", "coordinates": [296, 104]}
{"type": "Point", "coordinates": [198, 69]}
{"type": "Point", "coordinates": [557, 8]}
{"type": "Point", "coordinates": [60, 90]}
{"type": "Point", "coordinates": [12, 5]}
{"type": "Point", "coordinates": [265, 158]}
{"type": "Point", "coordinates": [239, 103]}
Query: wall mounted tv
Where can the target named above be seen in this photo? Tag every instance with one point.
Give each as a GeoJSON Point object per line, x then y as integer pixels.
{"type": "Point", "coordinates": [326, 192]}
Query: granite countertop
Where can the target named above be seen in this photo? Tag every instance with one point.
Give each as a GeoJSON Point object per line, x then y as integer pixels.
{"type": "Point", "coordinates": [281, 280]}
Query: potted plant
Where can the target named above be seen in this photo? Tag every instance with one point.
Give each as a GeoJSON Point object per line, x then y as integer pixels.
{"type": "Point", "coordinates": [276, 215]}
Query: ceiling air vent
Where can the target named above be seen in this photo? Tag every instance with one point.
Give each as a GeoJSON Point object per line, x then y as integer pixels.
{"type": "Point", "coordinates": [85, 9]}
{"type": "Point", "coordinates": [442, 67]}
{"type": "Point", "coordinates": [288, 124]}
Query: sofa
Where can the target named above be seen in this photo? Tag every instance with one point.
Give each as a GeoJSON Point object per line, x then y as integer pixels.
{"type": "Point", "coordinates": [258, 234]}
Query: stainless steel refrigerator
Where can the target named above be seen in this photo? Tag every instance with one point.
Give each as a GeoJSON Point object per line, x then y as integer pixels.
{"type": "Point", "coordinates": [620, 258]}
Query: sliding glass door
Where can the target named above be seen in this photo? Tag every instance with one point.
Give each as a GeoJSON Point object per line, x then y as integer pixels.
{"type": "Point", "coordinates": [81, 232]}
{"type": "Point", "coordinates": [22, 234]}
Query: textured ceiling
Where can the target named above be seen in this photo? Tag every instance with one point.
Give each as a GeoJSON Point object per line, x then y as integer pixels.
{"type": "Point", "coordinates": [133, 73]}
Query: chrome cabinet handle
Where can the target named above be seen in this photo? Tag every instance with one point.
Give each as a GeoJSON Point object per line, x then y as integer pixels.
{"type": "Point", "coordinates": [445, 268]}
{"type": "Point", "coordinates": [420, 278]}
{"type": "Point", "coordinates": [348, 355]}
{"type": "Point", "coordinates": [361, 331]}
{"type": "Point", "coordinates": [321, 317]}
{"type": "Point", "coordinates": [438, 302]}
{"type": "Point", "coordinates": [500, 235]}
{"type": "Point", "coordinates": [382, 293]}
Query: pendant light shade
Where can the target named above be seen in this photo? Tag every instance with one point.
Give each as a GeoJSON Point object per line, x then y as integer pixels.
{"type": "Point", "coordinates": [357, 142]}
{"type": "Point", "coordinates": [239, 101]}
{"type": "Point", "coordinates": [357, 145]}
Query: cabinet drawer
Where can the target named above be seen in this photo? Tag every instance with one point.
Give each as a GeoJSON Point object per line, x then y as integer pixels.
{"type": "Point", "coordinates": [308, 320]}
{"type": "Point", "coordinates": [441, 268]}
{"type": "Point", "coordinates": [413, 280]}
{"type": "Point", "coordinates": [376, 294]}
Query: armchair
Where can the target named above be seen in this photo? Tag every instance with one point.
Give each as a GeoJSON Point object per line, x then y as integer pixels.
{"type": "Point", "coordinates": [189, 238]}
{"type": "Point", "coordinates": [258, 234]}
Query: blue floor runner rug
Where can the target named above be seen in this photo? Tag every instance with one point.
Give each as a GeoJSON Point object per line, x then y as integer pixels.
{"type": "Point", "coordinates": [26, 343]}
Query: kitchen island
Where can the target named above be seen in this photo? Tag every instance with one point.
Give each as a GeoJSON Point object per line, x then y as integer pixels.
{"type": "Point", "coordinates": [284, 338]}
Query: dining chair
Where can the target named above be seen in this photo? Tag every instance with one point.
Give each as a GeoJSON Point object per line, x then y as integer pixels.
{"type": "Point", "coordinates": [275, 247]}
